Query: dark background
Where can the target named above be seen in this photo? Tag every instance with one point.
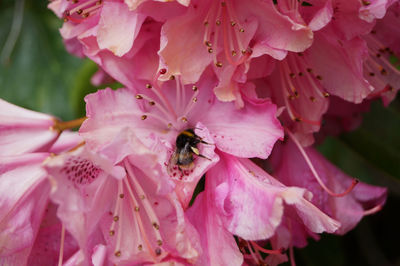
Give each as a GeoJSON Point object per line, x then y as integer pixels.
{"type": "Point", "coordinates": [37, 73]}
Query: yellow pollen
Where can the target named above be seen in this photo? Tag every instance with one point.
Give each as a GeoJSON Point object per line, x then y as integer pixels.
{"type": "Point", "coordinates": [184, 119]}
{"type": "Point", "coordinates": [117, 253]}
{"type": "Point", "coordinates": [208, 43]}
{"type": "Point", "coordinates": [241, 30]}
{"type": "Point", "coordinates": [116, 218]}
{"type": "Point", "coordinates": [233, 23]}
{"type": "Point", "coordinates": [169, 125]}
{"type": "Point", "coordinates": [243, 52]}
{"type": "Point", "coordinates": [137, 209]}
{"type": "Point", "coordinates": [80, 11]}
{"type": "Point", "coordinates": [140, 247]}
{"type": "Point", "coordinates": [312, 98]}
{"type": "Point", "coordinates": [144, 117]}
{"type": "Point", "coordinates": [121, 196]}
{"type": "Point", "coordinates": [194, 88]}
{"type": "Point", "coordinates": [139, 97]}
{"type": "Point", "coordinates": [210, 50]}
{"type": "Point", "coordinates": [172, 77]}
{"type": "Point", "coordinates": [112, 232]}
{"type": "Point", "coordinates": [152, 103]}
{"type": "Point", "coordinates": [218, 22]}
{"type": "Point", "coordinates": [326, 94]}
{"type": "Point", "coordinates": [159, 242]}
{"type": "Point", "coordinates": [148, 85]}
{"type": "Point", "coordinates": [218, 64]}
{"type": "Point", "coordinates": [233, 52]}
{"type": "Point", "coordinates": [194, 99]}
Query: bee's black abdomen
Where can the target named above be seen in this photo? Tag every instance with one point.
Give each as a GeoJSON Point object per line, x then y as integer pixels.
{"type": "Point", "coordinates": [187, 136]}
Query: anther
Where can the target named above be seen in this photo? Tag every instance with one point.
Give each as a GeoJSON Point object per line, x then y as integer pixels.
{"type": "Point", "coordinates": [292, 75]}
{"type": "Point", "coordinates": [208, 43]}
{"type": "Point", "coordinates": [309, 70]}
{"type": "Point", "coordinates": [326, 95]}
{"type": "Point", "coordinates": [241, 30]}
{"type": "Point", "coordinates": [233, 53]}
{"type": "Point", "coordinates": [194, 88]}
{"type": "Point", "coordinates": [85, 15]}
{"type": "Point", "coordinates": [184, 119]}
{"type": "Point", "coordinates": [152, 103]}
{"type": "Point", "coordinates": [142, 197]}
{"type": "Point", "coordinates": [218, 64]}
{"type": "Point", "coordinates": [138, 96]}
{"type": "Point", "coordinates": [158, 251]}
{"type": "Point", "coordinates": [218, 22]}
{"type": "Point", "coordinates": [319, 77]}
{"type": "Point", "coordinates": [117, 253]}
{"type": "Point", "coordinates": [223, 4]}
{"type": "Point", "coordinates": [312, 98]}
{"type": "Point", "coordinates": [137, 209]}
{"type": "Point", "coordinates": [148, 85]}
{"type": "Point", "coordinates": [205, 23]}
{"type": "Point", "coordinates": [210, 50]}
{"type": "Point", "coordinates": [172, 77]}
{"type": "Point", "coordinates": [143, 117]}
{"type": "Point", "coordinates": [159, 242]}
{"type": "Point", "coordinates": [371, 74]}
{"type": "Point", "coordinates": [156, 226]}
{"type": "Point", "coordinates": [194, 99]}
{"type": "Point", "coordinates": [297, 119]}
{"type": "Point", "coordinates": [233, 23]}
{"type": "Point", "coordinates": [140, 247]}
{"type": "Point", "coordinates": [80, 11]}
{"type": "Point", "coordinates": [121, 196]}
{"type": "Point", "coordinates": [383, 71]}
{"type": "Point", "coordinates": [112, 232]}
{"type": "Point", "coordinates": [116, 218]}
{"type": "Point", "coordinates": [169, 125]}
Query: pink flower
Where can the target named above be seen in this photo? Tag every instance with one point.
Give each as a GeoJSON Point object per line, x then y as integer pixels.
{"type": "Point", "coordinates": [157, 115]}
{"type": "Point", "coordinates": [22, 206]}
{"type": "Point", "coordinates": [121, 206]}
{"type": "Point", "coordinates": [217, 31]}
{"type": "Point", "coordinates": [241, 199]}
{"type": "Point", "coordinates": [292, 168]}
{"type": "Point", "coordinates": [383, 44]}
{"type": "Point", "coordinates": [25, 131]}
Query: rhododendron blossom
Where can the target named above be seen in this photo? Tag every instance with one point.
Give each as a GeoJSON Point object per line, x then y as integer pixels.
{"type": "Point", "coordinates": [207, 155]}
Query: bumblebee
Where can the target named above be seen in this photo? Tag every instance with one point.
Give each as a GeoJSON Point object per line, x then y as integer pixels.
{"type": "Point", "coordinates": [185, 149]}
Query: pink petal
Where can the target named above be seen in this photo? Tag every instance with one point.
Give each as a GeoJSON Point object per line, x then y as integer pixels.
{"type": "Point", "coordinates": [256, 121]}
{"type": "Point", "coordinates": [292, 170]}
{"type": "Point", "coordinates": [119, 39]}
{"type": "Point", "coordinates": [22, 207]}
{"type": "Point", "coordinates": [244, 190]}
{"type": "Point", "coordinates": [24, 131]}
{"type": "Point", "coordinates": [218, 245]}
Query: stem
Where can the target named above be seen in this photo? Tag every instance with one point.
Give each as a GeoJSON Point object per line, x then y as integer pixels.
{"type": "Point", "coordinates": [61, 125]}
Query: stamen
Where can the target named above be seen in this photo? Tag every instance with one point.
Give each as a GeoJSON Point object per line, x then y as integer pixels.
{"type": "Point", "coordinates": [268, 251]}
{"type": "Point", "coordinates": [139, 220]}
{"type": "Point", "coordinates": [61, 125]}
{"type": "Point", "coordinates": [373, 210]}
{"type": "Point", "coordinates": [314, 172]}
{"type": "Point", "coordinates": [61, 253]}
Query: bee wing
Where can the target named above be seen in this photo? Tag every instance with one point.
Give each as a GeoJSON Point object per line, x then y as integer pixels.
{"type": "Point", "coordinates": [172, 163]}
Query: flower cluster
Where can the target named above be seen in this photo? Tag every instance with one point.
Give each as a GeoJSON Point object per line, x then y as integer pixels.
{"type": "Point", "coordinates": [175, 168]}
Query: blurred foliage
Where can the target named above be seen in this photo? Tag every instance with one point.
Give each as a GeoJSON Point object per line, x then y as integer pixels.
{"type": "Point", "coordinates": [39, 74]}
